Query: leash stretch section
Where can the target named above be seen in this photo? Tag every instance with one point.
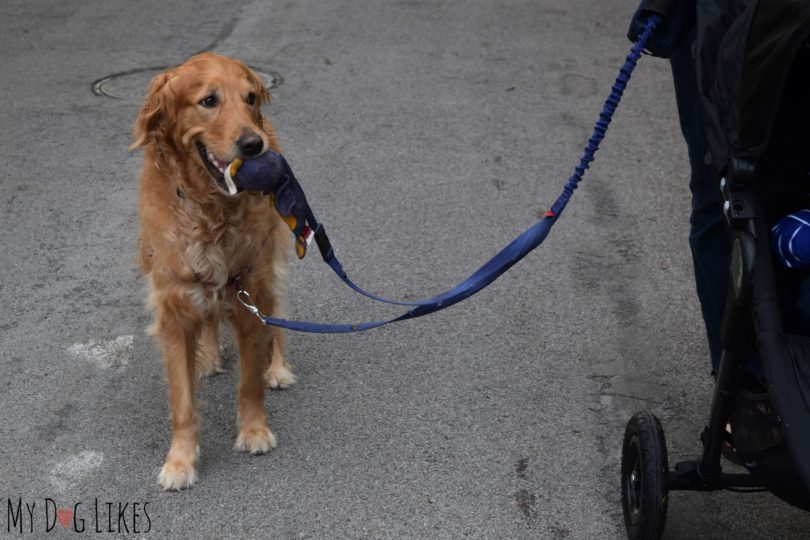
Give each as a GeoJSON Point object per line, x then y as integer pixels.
{"type": "Point", "coordinates": [492, 269]}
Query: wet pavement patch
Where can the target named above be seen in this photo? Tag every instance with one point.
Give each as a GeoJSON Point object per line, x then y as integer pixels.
{"type": "Point", "coordinates": [132, 85]}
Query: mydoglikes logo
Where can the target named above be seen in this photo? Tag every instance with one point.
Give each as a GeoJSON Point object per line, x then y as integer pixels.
{"type": "Point", "coordinates": [93, 517]}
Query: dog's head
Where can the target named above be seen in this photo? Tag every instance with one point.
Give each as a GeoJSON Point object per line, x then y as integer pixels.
{"type": "Point", "coordinates": [206, 112]}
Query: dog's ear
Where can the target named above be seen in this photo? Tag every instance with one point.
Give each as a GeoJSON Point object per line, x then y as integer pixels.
{"type": "Point", "coordinates": [258, 84]}
{"type": "Point", "coordinates": [157, 112]}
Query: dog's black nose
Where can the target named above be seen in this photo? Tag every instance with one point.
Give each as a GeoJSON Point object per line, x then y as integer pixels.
{"type": "Point", "coordinates": [250, 145]}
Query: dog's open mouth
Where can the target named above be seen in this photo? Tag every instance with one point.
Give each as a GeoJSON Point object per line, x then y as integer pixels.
{"type": "Point", "coordinates": [218, 169]}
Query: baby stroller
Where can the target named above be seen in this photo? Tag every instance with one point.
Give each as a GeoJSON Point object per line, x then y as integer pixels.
{"type": "Point", "coordinates": [754, 79]}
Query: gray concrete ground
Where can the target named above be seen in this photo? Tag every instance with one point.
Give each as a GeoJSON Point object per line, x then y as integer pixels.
{"type": "Point", "coordinates": [427, 135]}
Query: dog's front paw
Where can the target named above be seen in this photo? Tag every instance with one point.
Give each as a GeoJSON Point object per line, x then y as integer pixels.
{"type": "Point", "coordinates": [176, 475]}
{"type": "Point", "coordinates": [279, 377]}
{"type": "Point", "coordinates": [255, 440]}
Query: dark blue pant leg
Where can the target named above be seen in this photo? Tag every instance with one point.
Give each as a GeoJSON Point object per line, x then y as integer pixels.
{"type": "Point", "coordinates": [707, 237]}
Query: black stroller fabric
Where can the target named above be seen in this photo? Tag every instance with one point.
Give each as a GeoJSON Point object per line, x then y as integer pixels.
{"type": "Point", "coordinates": [745, 50]}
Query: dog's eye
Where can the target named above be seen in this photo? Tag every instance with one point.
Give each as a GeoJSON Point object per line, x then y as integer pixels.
{"type": "Point", "coordinates": [251, 98]}
{"type": "Point", "coordinates": [209, 101]}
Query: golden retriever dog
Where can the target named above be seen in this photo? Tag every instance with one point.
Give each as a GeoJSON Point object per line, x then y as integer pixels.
{"type": "Point", "coordinates": [198, 244]}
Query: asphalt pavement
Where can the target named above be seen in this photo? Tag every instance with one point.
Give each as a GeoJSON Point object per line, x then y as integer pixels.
{"type": "Point", "coordinates": [427, 135]}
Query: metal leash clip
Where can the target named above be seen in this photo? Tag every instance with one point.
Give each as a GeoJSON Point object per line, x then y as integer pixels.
{"type": "Point", "coordinates": [245, 299]}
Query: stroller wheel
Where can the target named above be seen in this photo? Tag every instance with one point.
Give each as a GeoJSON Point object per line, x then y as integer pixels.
{"type": "Point", "coordinates": [644, 477]}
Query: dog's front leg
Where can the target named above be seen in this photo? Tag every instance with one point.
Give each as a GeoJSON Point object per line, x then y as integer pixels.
{"type": "Point", "coordinates": [253, 340]}
{"type": "Point", "coordinates": [177, 336]}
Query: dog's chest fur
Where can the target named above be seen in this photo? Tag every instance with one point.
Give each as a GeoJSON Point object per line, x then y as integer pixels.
{"type": "Point", "coordinates": [213, 240]}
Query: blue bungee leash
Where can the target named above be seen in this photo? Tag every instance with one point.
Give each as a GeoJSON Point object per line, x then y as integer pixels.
{"type": "Point", "coordinates": [271, 174]}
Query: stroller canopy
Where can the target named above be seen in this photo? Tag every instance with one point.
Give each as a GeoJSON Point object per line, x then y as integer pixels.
{"type": "Point", "coordinates": [745, 50]}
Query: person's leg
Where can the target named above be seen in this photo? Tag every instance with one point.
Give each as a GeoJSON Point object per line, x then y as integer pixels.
{"type": "Point", "coordinates": [707, 237]}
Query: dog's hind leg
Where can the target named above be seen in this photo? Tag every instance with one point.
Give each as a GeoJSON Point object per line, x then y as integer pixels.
{"type": "Point", "coordinates": [208, 358]}
{"type": "Point", "coordinates": [278, 373]}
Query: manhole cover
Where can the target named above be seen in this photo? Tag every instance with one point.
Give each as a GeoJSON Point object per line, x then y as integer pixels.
{"type": "Point", "coordinates": [132, 85]}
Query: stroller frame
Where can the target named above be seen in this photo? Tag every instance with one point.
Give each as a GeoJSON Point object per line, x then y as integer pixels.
{"type": "Point", "coordinates": [646, 476]}
{"type": "Point", "coordinates": [743, 222]}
